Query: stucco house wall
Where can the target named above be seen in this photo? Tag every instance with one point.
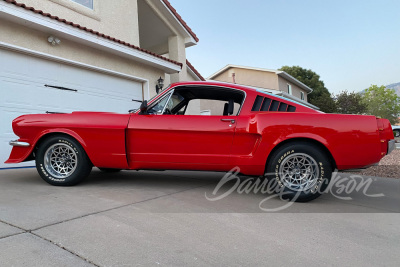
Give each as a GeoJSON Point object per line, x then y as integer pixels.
{"type": "Point", "coordinates": [296, 90]}
{"type": "Point", "coordinates": [97, 55]}
{"type": "Point", "coordinates": [249, 77]}
{"type": "Point", "coordinates": [270, 80]}
{"type": "Point", "coordinates": [118, 18]}
{"type": "Point", "coordinates": [258, 78]}
{"type": "Point", "coordinates": [21, 36]}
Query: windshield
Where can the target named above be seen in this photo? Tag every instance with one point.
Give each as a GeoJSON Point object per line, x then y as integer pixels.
{"type": "Point", "coordinates": [158, 107]}
{"type": "Point", "coordinates": [151, 99]}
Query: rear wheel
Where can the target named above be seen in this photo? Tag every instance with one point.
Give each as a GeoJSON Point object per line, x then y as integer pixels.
{"type": "Point", "coordinates": [61, 161]}
{"type": "Point", "coordinates": [302, 171]}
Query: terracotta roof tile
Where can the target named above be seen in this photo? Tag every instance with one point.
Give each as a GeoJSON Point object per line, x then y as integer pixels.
{"type": "Point", "coordinates": [173, 10]}
{"type": "Point", "coordinates": [194, 70]}
{"type": "Point", "coordinates": [90, 30]}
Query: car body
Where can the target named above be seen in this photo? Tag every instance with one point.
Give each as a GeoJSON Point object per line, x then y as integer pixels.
{"type": "Point", "coordinates": [160, 137]}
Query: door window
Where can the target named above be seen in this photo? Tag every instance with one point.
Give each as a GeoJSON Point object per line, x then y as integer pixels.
{"type": "Point", "coordinates": [190, 100]}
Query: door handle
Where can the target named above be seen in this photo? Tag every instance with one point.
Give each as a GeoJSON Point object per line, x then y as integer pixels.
{"type": "Point", "coordinates": [228, 120]}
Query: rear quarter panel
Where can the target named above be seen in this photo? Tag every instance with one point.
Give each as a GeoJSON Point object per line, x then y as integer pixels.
{"type": "Point", "coordinates": [352, 140]}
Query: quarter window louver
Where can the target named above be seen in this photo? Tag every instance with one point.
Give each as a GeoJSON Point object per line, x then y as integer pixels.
{"type": "Point", "coordinates": [267, 104]}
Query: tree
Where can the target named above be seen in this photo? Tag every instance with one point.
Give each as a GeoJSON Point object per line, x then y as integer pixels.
{"type": "Point", "coordinates": [382, 102]}
{"type": "Point", "coordinates": [350, 103]}
{"type": "Point", "coordinates": [320, 96]}
{"type": "Point", "coordinates": [325, 102]}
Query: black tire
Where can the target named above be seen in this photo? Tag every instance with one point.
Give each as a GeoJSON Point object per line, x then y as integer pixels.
{"type": "Point", "coordinates": [109, 170]}
{"type": "Point", "coordinates": [316, 176]}
{"type": "Point", "coordinates": [61, 161]}
{"type": "Point", "coordinates": [396, 133]}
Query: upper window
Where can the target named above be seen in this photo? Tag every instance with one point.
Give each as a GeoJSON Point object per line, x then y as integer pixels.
{"type": "Point", "coordinates": [302, 95]}
{"type": "Point", "coordinates": [86, 3]}
{"type": "Point", "coordinates": [289, 89]}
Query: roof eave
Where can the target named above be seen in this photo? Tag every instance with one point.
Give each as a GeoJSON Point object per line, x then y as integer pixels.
{"type": "Point", "coordinates": [279, 73]}
{"type": "Point", "coordinates": [190, 37]}
{"type": "Point", "coordinates": [229, 66]}
{"type": "Point", "coordinates": [295, 81]}
{"type": "Point", "coordinates": [194, 71]}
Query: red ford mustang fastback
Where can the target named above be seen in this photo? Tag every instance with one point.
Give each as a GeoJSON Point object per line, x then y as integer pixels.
{"type": "Point", "coordinates": [258, 132]}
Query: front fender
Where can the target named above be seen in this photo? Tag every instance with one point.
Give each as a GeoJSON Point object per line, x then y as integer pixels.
{"type": "Point", "coordinates": [20, 154]}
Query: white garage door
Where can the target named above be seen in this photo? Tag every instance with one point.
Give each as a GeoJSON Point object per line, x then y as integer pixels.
{"type": "Point", "coordinates": [29, 85]}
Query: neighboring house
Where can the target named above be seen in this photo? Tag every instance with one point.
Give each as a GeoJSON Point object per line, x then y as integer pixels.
{"type": "Point", "coordinates": [94, 55]}
{"type": "Point", "coordinates": [272, 81]}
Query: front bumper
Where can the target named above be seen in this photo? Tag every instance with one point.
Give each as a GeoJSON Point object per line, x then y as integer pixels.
{"type": "Point", "coordinates": [391, 146]}
{"type": "Point", "coordinates": [17, 143]}
{"type": "Point", "coordinates": [20, 151]}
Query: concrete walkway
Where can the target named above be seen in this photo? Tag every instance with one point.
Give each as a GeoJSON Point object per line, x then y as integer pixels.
{"type": "Point", "coordinates": [163, 218]}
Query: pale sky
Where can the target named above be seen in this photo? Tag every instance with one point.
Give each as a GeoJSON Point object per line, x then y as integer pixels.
{"type": "Point", "coordinates": [350, 44]}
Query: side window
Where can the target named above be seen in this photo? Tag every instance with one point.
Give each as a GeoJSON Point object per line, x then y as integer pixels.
{"type": "Point", "coordinates": [289, 89]}
{"type": "Point", "coordinates": [158, 107]}
{"type": "Point", "coordinates": [194, 107]}
{"type": "Point", "coordinates": [166, 105]}
{"type": "Point", "coordinates": [174, 101]}
{"type": "Point", "coordinates": [199, 100]}
{"type": "Point", "coordinates": [218, 107]}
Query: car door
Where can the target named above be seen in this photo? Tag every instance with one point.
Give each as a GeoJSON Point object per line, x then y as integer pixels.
{"type": "Point", "coordinates": [180, 141]}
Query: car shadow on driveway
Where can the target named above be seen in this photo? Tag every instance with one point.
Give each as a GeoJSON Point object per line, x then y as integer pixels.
{"type": "Point", "coordinates": [29, 202]}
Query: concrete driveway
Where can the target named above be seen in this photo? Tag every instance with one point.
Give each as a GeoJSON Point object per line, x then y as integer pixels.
{"type": "Point", "coordinates": [164, 218]}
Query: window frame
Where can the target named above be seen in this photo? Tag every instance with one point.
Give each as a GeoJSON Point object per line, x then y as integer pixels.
{"type": "Point", "coordinates": [170, 91]}
{"type": "Point", "coordinates": [289, 89]}
{"type": "Point", "coordinates": [79, 3]}
{"type": "Point", "coordinates": [81, 9]}
{"type": "Point", "coordinates": [154, 103]}
{"type": "Point", "coordinates": [223, 87]}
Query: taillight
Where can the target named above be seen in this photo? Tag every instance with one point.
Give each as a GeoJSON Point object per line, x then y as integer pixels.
{"type": "Point", "coordinates": [385, 134]}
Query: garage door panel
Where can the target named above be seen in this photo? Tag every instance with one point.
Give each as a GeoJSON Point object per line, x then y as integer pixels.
{"type": "Point", "coordinates": [31, 97]}
{"type": "Point", "coordinates": [23, 91]}
{"type": "Point", "coordinates": [26, 68]}
{"type": "Point", "coordinates": [93, 79]}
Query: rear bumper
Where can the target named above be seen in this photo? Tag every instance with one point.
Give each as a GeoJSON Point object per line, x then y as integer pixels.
{"type": "Point", "coordinates": [391, 146]}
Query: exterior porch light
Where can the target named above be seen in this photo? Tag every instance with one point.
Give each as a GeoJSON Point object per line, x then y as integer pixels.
{"type": "Point", "coordinates": [159, 85]}
{"type": "Point", "coordinates": [53, 40]}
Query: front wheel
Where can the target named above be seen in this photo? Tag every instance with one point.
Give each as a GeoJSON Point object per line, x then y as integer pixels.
{"type": "Point", "coordinates": [302, 171]}
{"type": "Point", "coordinates": [61, 161]}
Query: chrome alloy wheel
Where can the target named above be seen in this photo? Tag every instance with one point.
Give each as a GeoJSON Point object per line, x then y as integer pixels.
{"type": "Point", "coordinates": [299, 172]}
{"type": "Point", "coordinates": [60, 160]}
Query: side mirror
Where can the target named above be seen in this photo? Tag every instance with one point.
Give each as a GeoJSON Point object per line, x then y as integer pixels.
{"type": "Point", "coordinates": [143, 107]}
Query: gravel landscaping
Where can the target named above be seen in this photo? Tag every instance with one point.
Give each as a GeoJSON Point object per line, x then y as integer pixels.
{"type": "Point", "coordinates": [388, 167]}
